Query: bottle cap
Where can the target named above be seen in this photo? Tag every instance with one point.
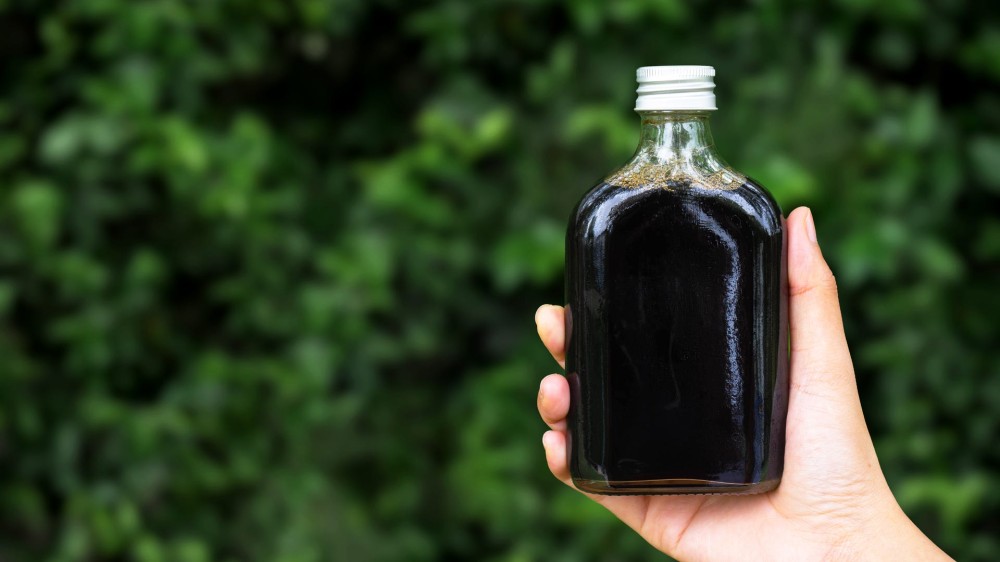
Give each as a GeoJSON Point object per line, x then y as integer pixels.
{"type": "Point", "coordinates": [673, 88]}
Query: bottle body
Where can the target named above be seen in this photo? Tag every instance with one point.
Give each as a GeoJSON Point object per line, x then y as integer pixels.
{"type": "Point", "coordinates": [676, 320]}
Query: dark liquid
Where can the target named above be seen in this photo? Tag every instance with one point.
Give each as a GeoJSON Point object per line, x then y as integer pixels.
{"type": "Point", "coordinates": [677, 351]}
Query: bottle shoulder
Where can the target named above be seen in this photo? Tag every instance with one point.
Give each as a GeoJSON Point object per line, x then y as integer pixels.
{"type": "Point", "coordinates": [763, 203]}
{"type": "Point", "coordinates": [607, 204]}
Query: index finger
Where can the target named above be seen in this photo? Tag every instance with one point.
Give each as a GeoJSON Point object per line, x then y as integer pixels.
{"type": "Point", "coordinates": [550, 321]}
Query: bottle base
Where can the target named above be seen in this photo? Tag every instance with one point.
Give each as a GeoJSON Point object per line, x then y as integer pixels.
{"type": "Point", "coordinates": [672, 486]}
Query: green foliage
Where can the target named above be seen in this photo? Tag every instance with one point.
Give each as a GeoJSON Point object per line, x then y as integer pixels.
{"type": "Point", "coordinates": [269, 268]}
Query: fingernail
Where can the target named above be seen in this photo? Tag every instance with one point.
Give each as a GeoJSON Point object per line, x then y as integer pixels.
{"type": "Point", "coordinates": [550, 310]}
{"type": "Point", "coordinates": [542, 311]}
{"type": "Point", "coordinates": [810, 227]}
{"type": "Point", "coordinates": [541, 392]}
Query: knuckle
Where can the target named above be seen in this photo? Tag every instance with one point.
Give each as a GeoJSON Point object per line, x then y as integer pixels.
{"type": "Point", "coordinates": [825, 285]}
{"type": "Point", "coordinates": [829, 282]}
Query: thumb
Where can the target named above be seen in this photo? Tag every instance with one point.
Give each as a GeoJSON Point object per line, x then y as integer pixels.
{"type": "Point", "coordinates": [821, 362]}
{"type": "Point", "coordinates": [830, 463]}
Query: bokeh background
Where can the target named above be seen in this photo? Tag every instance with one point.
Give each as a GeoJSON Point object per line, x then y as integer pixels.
{"type": "Point", "coordinates": [269, 268]}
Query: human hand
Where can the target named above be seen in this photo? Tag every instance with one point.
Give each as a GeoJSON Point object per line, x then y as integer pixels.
{"type": "Point", "coordinates": [833, 501]}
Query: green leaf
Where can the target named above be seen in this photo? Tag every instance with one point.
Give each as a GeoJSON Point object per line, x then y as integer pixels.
{"type": "Point", "coordinates": [985, 155]}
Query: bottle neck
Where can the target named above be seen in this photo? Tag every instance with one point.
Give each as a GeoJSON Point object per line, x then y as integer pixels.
{"type": "Point", "coordinates": [676, 137]}
{"type": "Point", "coordinates": [676, 150]}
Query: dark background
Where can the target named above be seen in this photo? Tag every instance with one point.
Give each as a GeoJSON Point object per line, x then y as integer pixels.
{"type": "Point", "coordinates": [269, 268]}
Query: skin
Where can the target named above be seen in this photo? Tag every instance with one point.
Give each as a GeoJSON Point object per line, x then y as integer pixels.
{"type": "Point", "coordinates": [833, 502]}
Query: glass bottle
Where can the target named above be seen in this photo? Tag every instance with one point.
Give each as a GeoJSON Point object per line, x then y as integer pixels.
{"type": "Point", "coordinates": [676, 321]}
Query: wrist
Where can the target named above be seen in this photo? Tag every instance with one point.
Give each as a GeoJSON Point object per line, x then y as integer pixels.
{"type": "Point", "coordinates": [886, 536]}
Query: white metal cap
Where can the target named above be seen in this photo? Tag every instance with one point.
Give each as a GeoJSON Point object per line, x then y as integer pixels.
{"type": "Point", "coordinates": [667, 88]}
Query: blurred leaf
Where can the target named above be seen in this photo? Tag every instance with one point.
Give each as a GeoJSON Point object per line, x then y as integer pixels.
{"type": "Point", "coordinates": [985, 154]}
{"type": "Point", "coordinates": [38, 205]}
{"type": "Point", "coordinates": [533, 255]}
{"type": "Point", "coordinates": [787, 180]}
